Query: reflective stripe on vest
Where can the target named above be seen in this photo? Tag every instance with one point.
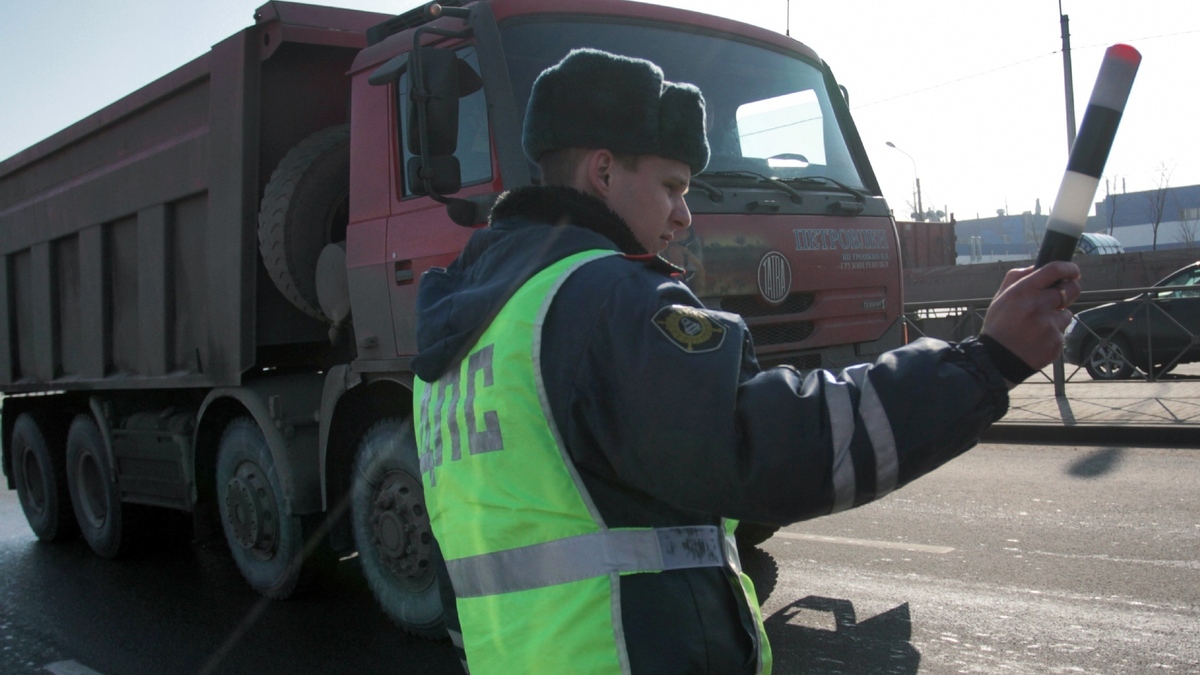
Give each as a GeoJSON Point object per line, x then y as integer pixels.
{"type": "Point", "coordinates": [587, 555]}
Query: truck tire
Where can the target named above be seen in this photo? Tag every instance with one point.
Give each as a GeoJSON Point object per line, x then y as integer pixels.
{"type": "Point", "coordinates": [305, 207]}
{"type": "Point", "coordinates": [104, 521]}
{"type": "Point", "coordinates": [753, 534]}
{"type": "Point", "coordinates": [396, 549]}
{"type": "Point", "coordinates": [267, 542]}
{"type": "Point", "coordinates": [40, 474]}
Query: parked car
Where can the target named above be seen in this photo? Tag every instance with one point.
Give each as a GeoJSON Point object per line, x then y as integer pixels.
{"type": "Point", "coordinates": [1156, 330]}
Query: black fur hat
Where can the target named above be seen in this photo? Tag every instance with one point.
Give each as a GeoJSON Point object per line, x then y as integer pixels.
{"type": "Point", "coordinates": [593, 99]}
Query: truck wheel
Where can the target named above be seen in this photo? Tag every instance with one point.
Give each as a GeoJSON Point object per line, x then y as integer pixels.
{"type": "Point", "coordinates": [753, 534]}
{"type": "Point", "coordinates": [305, 206]}
{"type": "Point", "coordinates": [41, 481]}
{"type": "Point", "coordinates": [98, 509]}
{"type": "Point", "coordinates": [266, 541]}
{"type": "Point", "coordinates": [396, 549]}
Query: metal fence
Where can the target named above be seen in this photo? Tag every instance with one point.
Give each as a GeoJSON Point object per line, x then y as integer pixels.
{"type": "Point", "coordinates": [956, 320]}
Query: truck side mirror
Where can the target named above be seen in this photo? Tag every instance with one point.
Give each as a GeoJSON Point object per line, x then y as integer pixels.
{"type": "Point", "coordinates": [442, 175]}
{"type": "Point", "coordinates": [439, 79]}
{"type": "Point", "coordinates": [433, 97]}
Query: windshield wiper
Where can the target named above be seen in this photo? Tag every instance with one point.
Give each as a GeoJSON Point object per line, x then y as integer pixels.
{"type": "Point", "coordinates": [741, 173]}
{"type": "Point", "coordinates": [714, 193]}
{"type": "Point", "coordinates": [859, 195]}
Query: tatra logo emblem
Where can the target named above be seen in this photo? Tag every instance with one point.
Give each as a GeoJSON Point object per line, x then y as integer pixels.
{"type": "Point", "coordinates": [689, 328]}
{"type": "Point", "coordinates": [774, 277]}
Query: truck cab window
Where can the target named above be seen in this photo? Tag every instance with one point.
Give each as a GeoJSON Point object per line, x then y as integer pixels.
{"type": "Point", "coordinates": [474, 142]}
{"type": "Point", "coordinates": [788, 131]}
{"type": "Point", "coordinates": [767, 112]}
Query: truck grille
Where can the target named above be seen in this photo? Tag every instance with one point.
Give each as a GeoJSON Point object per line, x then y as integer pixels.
{"type": "Point", "coordinates": [799, 362]}
{"type": "Point", "coordinates": [752, 305]}
{"type": "Point", "coordinates": [780, 333]}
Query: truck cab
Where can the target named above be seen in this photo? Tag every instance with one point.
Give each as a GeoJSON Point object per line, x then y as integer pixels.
{"type": "Point", "coordinates": [789, 227]}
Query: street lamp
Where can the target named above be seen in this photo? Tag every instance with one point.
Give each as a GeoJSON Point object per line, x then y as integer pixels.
{"type": "Point", "coordinates": [920, 208]}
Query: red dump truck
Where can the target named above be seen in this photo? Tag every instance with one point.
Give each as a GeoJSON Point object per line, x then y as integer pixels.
{"type": "Point", "coordinates": [207, 288]}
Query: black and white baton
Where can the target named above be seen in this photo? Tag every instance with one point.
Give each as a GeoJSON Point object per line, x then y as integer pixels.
{"type": "Point", "coordinates": [1089, 153]}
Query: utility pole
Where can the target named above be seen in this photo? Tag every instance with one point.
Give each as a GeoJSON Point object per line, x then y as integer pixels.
{"type": "Point", "coordinates": [1064, 23]}
{"type": "Point", "coordinates": [920, 207]}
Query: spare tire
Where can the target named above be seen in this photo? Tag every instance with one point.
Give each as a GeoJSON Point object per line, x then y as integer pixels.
{"type": "Point", "coordinates": [305, 207]}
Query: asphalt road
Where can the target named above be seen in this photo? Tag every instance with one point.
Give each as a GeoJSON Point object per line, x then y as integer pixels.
{"type": "Point", "coordinates": [1011, 559]}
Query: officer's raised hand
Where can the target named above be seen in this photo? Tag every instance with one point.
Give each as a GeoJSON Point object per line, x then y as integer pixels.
{"type": "Point", "coordinates": [1029, 313]}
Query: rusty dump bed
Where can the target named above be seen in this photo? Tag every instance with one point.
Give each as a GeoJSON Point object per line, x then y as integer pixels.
{"type": "Point", "coordinates": [129, 239]}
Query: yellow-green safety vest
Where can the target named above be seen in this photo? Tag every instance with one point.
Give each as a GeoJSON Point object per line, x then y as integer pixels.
{"type": "Point", "coordinates": [535, 569]}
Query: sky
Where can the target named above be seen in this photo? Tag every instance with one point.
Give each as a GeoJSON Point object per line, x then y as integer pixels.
{"type": "Point", "coordinates": [971, 93]}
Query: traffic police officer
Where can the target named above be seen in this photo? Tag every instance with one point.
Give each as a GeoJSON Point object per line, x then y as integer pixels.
{"type": "Point", "coordinates": [586, 425]}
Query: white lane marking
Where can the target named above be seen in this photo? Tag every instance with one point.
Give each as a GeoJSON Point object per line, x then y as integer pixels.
{"type": "Point", "coordinates": [70, 668]}
{"type": "Point", "coordinates": [1103, 557]}
{"type": "Point", "coordinates": [897, 545]}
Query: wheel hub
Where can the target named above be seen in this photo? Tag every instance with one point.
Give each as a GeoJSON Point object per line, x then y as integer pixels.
{"type": "Point", "coordinates": [250, 510]}
{"type": "Point", "coordinates": [1108, 358]}
{"type": "Point", "coordinates": [401, 528]}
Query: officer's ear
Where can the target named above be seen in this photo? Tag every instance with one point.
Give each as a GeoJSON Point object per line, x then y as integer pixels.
{"type": "Point", "coordinates": [596, 172]}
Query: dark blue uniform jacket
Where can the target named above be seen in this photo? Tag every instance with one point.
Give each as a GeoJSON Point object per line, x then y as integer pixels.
{"type": "Point", "coordinates": [668, 430]}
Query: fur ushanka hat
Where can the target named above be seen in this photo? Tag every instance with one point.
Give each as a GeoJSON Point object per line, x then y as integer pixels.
{"type": "Point", "coordinates": [593, 99]}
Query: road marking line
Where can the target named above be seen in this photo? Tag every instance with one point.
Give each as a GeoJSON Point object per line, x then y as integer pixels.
{"type": "Point", "coordinates": [897, 545]}
{"type": "Point", "coordinates": [70, 668]}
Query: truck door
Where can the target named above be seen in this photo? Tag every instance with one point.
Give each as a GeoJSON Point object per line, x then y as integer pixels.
{"type": "Point", "coordinates": [420, 233]}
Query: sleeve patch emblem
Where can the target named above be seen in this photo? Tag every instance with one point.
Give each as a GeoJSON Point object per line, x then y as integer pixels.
{"type": "Point", "coordinates": [690, 329]}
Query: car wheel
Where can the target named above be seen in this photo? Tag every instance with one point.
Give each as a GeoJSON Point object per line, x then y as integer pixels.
{"type": "Point", "coordinates": [396, 549]}
{"type": "Point", "coordinates": [1110, 361]}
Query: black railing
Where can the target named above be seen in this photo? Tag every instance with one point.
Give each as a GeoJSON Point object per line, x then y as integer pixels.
{"type": "Point", "coordinates": [957, 320]}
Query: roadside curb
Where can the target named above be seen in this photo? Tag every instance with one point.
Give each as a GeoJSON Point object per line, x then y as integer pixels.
{"type": "Point", "coordinates": [1159, 435]}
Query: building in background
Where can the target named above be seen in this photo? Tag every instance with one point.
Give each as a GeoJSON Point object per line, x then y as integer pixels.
{"type": "Point", "coordinates": [1158, 219]}
{"type": "Point", "coordinates": [1000, 238]}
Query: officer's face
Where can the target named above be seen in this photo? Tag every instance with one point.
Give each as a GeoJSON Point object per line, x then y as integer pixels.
{"type": "Point", "coordinates": [650, 199]}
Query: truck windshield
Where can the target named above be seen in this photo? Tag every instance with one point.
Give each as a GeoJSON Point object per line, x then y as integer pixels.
{"type": "Point", "coordinates": [769, 113]}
